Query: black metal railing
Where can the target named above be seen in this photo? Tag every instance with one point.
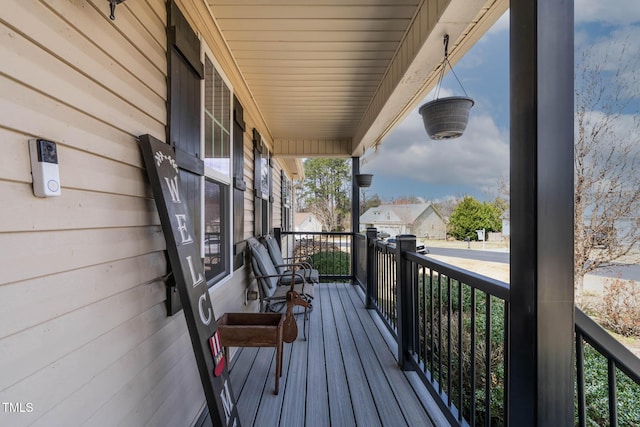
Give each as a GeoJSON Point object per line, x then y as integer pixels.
{"type": "Point", "coordinates": [360, 265]}
{"type": "Point", "coordinates": [384, 295]}
{"type": "Point", "coordinates": [328, 252]}
{"type": "Point", "coordinates": [459, 339]}
{"type": "Point", "coordinates": [452, 327]}
{"type": "Point", "coordinates": [607, 378]}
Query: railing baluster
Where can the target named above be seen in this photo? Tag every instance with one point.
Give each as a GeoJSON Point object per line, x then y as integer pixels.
{"type": "Point", "coordinates": [505, 384]}
{"type": "Point", "coordinates": [472, 394]}
{"type": "Point", "coordinates": [439, 333]}
{"type": "Point", "coordinates": [375, 278]}
{"type": "Point", "coordinates": [487, 366]}
{"type": "Point", "coordinates": [449, 358]}
{"type": "Point", "coordinates": [613, 399]}
{"type": "Point", "coordinates": [423, 313]}
{"type": "Point", "coordinates": [385, 260]}
{"type": "Point", "coordinates": [460, 351]}
{"type": "Point", "coordinates": [387, 291]}
{"type": "Point", "coordinates": [431, 343]}
{"type": "Point", "coordinates": [580, 380]}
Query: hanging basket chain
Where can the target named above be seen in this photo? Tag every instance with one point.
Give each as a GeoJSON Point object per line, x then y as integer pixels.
{"type": "Point", "coordinates": [443, 67]}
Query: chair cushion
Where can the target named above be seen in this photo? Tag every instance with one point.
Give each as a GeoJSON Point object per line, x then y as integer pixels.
{"type": "Point", "coordinates": [274, 252]}
{"type": "Point", "coordinates": [263, 266]}
{"type": "Point", "coordinates": [312, 276]}
{"type": "Point", "coordinates": [282, 291]}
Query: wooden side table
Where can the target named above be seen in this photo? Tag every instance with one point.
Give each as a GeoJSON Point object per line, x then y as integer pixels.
{"type": "Point", "coordinates": [253, 330]}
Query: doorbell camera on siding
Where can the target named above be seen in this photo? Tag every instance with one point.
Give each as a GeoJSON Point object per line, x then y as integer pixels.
{"type": "Point", "coordinates": [44, 168]}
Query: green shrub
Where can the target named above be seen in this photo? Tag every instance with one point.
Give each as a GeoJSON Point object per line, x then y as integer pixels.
{"type": "Point", "coordinates": [496, 339]}
{"type": "Point", "coordinates": [595, 365]}
{"type": "Point", "coordinates": [334, 263]}
{"type": "Point", "coordinates": [597, 393]}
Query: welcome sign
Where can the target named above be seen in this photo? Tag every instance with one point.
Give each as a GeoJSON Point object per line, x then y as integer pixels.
{"type": "Point", "coordinates": [162, 169]}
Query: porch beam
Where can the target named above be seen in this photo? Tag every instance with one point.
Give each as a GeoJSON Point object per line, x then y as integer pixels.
{"type": "Point", "coordinates": [287, 148]}
{"type": "Point", "coordinates": [542, 299]}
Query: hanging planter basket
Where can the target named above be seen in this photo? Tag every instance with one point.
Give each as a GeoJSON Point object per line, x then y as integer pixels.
{"type": "Point", "coordinates": [446, 118]}
{"type": "Point", "coordinates": [364, 179]}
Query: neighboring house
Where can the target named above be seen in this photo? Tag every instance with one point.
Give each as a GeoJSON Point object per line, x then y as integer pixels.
{"type": "Point", "coordinates": [420, 219]}
{"type": "Point", "coordinates": [306, 221]}
{"type": "Point", "coordinates": [506, 224]}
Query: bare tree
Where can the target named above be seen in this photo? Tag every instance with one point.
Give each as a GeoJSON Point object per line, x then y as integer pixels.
{"type": "Point", "coordinates": [326, 191]}
{"type": "Point", "coordinates": [607, 162]}
{"type": "Point", "coordinates": [447, 205]}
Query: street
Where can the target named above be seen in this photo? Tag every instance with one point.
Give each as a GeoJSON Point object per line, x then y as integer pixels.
{"type": "Point", "coordinates": [623, 271]}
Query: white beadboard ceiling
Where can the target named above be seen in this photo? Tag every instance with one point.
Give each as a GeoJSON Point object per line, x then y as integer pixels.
{"type": "Point", "coordinates": [334, 76]}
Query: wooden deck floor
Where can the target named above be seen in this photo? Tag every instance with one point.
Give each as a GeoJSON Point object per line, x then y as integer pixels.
{"type": "Point", "coordinates": [345, 374]}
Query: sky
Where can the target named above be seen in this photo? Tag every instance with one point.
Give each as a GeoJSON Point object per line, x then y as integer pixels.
{"type": "Point", "coordinates": [408, 163]}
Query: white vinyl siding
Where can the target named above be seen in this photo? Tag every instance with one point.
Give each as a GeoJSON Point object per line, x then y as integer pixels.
{"type": "Point", "coordinates": [84, 334]}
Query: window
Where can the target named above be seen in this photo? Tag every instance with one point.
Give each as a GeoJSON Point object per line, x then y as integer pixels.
{"type": "Point", "coordinates": [262, 201]}
{"type": "Point", "coordinates": [217, 121]}
{"type": "Point", "coordinates": [216, 246]}
{"type": "Point", "coordinates": [286, 202]}
{"type": "Point", "coordinates": [217, 220]}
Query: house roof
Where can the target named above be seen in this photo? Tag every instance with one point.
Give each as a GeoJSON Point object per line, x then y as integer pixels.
{"type": "Point", "coordinates": [331, 78]}
{"type": "Point", "coordinates": [395, 214]}
{"type": "Point", "coordinates": [301, 217]}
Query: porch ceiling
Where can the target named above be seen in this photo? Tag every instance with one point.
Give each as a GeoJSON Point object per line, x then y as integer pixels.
{"type": "Point", "coordinates": [332, 77]}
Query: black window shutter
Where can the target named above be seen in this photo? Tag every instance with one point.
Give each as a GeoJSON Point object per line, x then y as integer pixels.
{"type": "Point", "coordinates": [239, 185]}
{"type": "Point", "coordinates": [257, 180]}
{"type": "Point", "coordinates": [183, 130]}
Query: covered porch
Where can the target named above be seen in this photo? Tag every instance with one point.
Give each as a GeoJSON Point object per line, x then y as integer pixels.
{"type": "Point", "coordinates": [93, 332]}
{"type": "Point", "coordinates": [345, 373]}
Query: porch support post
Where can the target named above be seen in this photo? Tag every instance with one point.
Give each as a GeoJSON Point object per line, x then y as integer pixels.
{"type": "Point", "coordinates": [541, 329]}
{"type": "Point", "coordinates": [404, 297]}
{"type": "Point", "coordinates": [355, 213]}
{"type": "Point", "coordinates": [372, 274]}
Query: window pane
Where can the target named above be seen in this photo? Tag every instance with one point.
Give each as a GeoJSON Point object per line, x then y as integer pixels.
{"type": "Point", "coordinates": [208, 138]}
{"type": "Point", "coordinates": [264, 177]}
{"type": "Point", "coordinates": [217, 121]}
{"type": "Point", "coordinates": [216, 245]}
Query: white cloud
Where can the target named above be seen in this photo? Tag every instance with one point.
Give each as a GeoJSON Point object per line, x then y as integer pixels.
{"type": "Point", "coordinates": [616, 60]}
{"type": "Point", "coordinates": [609, 50]}
{"type": "Point", "coordinates": [618, 12]}
{"type": "Point", "coordinates": [477, 159]}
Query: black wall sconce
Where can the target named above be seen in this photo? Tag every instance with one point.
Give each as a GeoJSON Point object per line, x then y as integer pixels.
{"type": "Point", "coordinates": [112, 5]}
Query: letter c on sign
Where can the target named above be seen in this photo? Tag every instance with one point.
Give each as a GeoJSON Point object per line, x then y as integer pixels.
{"type": "Point", "coordinates": [206, 320]}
